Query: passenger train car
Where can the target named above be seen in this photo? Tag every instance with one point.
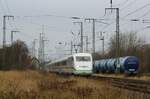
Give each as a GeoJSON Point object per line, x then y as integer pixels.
{"type": "Point", "coordinates": [79, 63]}
{"type": "Point", "coordinates": [128, 64]}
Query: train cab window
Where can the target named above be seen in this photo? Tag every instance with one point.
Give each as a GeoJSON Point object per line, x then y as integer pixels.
{"type": "Point", "coordinates": [83, 58]}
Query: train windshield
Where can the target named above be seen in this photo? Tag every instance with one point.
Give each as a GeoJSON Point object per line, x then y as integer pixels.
{"type": "Point", "coordinates": [83, 58]}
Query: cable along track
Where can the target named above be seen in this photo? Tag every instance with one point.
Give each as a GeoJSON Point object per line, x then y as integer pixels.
{"type": "Point", "coordinates": [131, 84]}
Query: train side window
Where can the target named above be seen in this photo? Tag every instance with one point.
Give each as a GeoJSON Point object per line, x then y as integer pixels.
{"type": "Point", "coordinates": [63, 63]}
{"type": "Point", "coordinates": [70, 61]}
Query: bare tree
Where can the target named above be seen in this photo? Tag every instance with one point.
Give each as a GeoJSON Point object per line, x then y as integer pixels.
{"type": "Point", "coordinates": [16, 56]}
{"type": "Point", "coordinates": [129, 44]}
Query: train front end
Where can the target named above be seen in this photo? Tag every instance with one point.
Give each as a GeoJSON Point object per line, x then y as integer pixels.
{"type": "Point", "coordinates": [83, 64]}
{"type": "Point", "coordinates": [130, 64]}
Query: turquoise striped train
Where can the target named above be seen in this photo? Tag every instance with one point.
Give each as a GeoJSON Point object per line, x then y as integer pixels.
{"type": "Point", "coordinates": [128, 64]}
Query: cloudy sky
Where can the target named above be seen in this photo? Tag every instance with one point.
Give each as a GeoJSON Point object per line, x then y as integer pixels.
{"type": "Point", "coordinates": [54, 15]}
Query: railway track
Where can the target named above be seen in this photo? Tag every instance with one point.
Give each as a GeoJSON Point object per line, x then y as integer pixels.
{"type": "Point", "coordinates": [124, 83]}
{"type": "Point", "coordinates": [129, 84]}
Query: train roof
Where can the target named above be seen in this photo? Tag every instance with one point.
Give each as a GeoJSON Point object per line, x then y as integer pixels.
{"type": "Point", "coordinates": [65, 58]}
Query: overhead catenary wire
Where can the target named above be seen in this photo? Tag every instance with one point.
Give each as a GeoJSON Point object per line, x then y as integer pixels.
{"type": "Point", "coordinates": [128, 5]}
{"type": "Point", "coordinates": [2, 7]}
{"type": "Point", "coordinates": [145, 14]}
{"type": "Point", "coordinates": [142, 29]}
{"type": "Point", "coordinates": [130, 13]}
{"type": "Point", "coordinates": [9, 12]}
{"type": "Point", "coordinates": [6, 10]}
{"type": "Point", "coordinates": [65, 17]}
{"type": "Point", "coordinates": [122, 3]}
{"type": "Point", "coordinates": [52, 15]}
{"type": "Point", "coordinates": [6, 3]}
{"type": "Point", "coordinates": [136, 10]}
{"type": "Point", "coordinates": [120, 10]}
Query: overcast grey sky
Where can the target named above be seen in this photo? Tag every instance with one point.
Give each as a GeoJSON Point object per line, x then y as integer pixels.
{"type": "Point", "coordinates": [30, 15]}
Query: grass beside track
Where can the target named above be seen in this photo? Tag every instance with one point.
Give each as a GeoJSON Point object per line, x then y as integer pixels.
{"type": "Point", "coordinates": [37, 85]}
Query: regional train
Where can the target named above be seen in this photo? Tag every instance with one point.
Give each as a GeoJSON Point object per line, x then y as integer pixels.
{"type": "Point", "coordinates": [79, 63]}
{"type": "Point", "coordinates": [128, 65]}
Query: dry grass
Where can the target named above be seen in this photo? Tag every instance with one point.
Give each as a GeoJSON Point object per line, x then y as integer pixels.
{"type": "Point", "coordinates": [35, 85]}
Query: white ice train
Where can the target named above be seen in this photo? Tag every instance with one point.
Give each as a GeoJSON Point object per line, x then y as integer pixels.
{"type": "Point", "coordinates": [79, 63]}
